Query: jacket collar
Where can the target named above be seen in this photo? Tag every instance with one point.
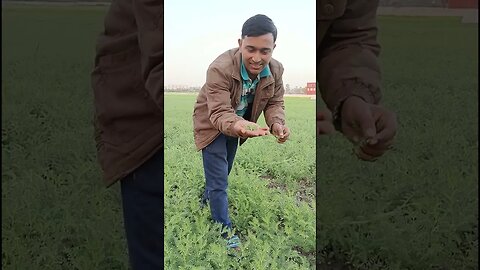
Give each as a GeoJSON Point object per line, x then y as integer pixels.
{"type": "Point", "coordinates": [244, 73]}
{"type": "Point", "coordinates": [237, 57]}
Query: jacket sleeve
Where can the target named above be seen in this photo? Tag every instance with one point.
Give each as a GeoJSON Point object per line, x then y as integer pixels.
{"type": "Point", "coordinates": [274, 111]}
{"type": "Point", "coordinates": [348, 56]}
{"type": "Point", "coordinates": [220, 110]}
{"type": "Point", "coordinates": [149, 19]}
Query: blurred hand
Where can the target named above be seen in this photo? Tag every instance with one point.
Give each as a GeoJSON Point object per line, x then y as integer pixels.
{"type": "Point", "coordinates": [281, 132]}
{"type": "Point", "coordinates": [324, 122]}
{"type": "Point", "coordinates": [247, 129]}
{"type": "Point", "coordinates": [370, 127]}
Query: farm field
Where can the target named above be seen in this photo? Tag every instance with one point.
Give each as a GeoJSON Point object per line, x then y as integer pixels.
{"type": "Point", "coordinates": [271, 195]}
{"type": "Point", "coordinates": [416, 208]}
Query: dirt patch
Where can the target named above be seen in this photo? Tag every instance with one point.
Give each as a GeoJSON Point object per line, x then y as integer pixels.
{"type": "Point", "coordinates": [309, 254]}
{"type": "Point", "coordinates": [272, 183]}
{"type": "Point", "coordinates": [303, 252]}
{"type": "Point", "coordinates": [267, 176]}
{"type": "Point", "coordinates": [306, 191]}
{"type": "Point", "coordinates": [275, 185]}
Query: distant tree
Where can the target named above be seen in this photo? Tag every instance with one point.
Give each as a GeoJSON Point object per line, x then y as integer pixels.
{"type": "Point", "coordinates": [298, 90]}
{"type": "Point", "coordinates": [287, 88]}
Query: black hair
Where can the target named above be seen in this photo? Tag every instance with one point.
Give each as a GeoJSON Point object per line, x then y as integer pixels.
{"type": "Point", "coordinates": [259, 25]}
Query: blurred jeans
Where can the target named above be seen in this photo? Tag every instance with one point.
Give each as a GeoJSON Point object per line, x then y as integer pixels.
{"type": "Point", "coordinates": [218, 159]}
{"type": "Point", "coordinates": [142, 199]}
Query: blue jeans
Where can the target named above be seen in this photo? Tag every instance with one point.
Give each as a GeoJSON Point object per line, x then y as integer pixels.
{"type": "Point", "coordinates": [218, 159]}
{"type": "Point", "coordinates": [142, 200]}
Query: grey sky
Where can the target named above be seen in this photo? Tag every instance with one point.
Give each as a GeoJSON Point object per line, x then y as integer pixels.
{"type": "Point", "coordinates": [196, 32]}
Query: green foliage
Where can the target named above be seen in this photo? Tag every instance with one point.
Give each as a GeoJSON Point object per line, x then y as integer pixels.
{"type": "Point", "coordinates": [276, 226]}
{"type": "Point", "coordinates": [416, 207]}
{"type": "Point", "coordinates": [56, 212]}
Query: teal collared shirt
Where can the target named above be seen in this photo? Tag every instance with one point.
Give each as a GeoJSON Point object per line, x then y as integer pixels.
{"type": "Point", "coordinates": [249, 87]}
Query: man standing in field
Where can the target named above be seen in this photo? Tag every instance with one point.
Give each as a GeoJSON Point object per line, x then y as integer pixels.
{"type": "Point", "coordinates": [240, 84]}
{"type": "Point", "coordinates": [128, 99]}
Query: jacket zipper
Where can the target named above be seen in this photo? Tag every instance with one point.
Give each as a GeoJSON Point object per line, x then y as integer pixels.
{"type": "Point", "coordinates": [236, 100]}
{"type": "Point", "coordinates": [256, 100]}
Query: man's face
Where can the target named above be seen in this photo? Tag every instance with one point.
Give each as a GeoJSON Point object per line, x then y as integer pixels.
{"type": "Point", "coordinates": [256, 52]}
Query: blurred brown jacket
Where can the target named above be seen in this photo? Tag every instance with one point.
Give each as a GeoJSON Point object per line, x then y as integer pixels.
{"type": "Point", "coordinates": [127, 82]}
{"type": "Point", "coordinates": [347, 52]}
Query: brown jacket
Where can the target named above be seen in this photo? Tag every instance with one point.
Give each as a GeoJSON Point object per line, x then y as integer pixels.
{"type": "Point", "coordinates": [214, 110]}
{"type": "Point", "coordinates": [347, 51]}
{"type": "Point", "coordinates": [127, 81]}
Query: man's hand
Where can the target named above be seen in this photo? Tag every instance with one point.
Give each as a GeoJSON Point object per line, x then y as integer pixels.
{"type": "Point", "coordinates": [281, 132]}
{"type": "Point", "coordinates": [324, 122]}
{"type": "Point", "coordinates": [247, 129]}
{"type": "Point", "coordinates": [370, 127]}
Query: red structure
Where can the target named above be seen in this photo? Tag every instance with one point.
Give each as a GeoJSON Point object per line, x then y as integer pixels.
{"type": "Point", "coordinates": [462, 3]}
{"type": "Point", "coordinates": [311, 88]}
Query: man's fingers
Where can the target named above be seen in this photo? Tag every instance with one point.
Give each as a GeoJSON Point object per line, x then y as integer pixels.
{"type": "Point", "coordinates": [278, 130]}
{"type": "Point", "coordinates": [256, 133]}
{"type": "Point", "coordinates": [362, 155]}
{"type": "Point", "coordinates": [387, 129]}
{"type": "Point", "coordinates": [380, 145]}
{"type": "Point", "coordinates": [324, 127]}
{"type": "Point", "coordinates": [366, 123]}
{"type": "Point", "coordinates": [351, 133]}
{"type": "Point", "coordinates": [372, 151]}
{"type": "Point", "coordinates": [275, 129]}
{"type": "Point", "coordinates": [360, 128]}
{"type": "Point", "coordinates": [282, 134]}
{"type": "Point", "coordinates": [285, 132]}
{"type": "Point", "coordinates": [264, 131]}
{"type": "Point", "coordinates": [371, 128]}
{"type": "Point", "coordinates": [324, 114]}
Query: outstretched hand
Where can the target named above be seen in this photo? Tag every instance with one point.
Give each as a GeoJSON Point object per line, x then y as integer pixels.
{"type": "Point", "coordinates": [247, 129]}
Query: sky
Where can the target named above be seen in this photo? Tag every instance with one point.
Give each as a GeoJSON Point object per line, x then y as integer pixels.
{"type": "Point", "coordinates": [196, 32]}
